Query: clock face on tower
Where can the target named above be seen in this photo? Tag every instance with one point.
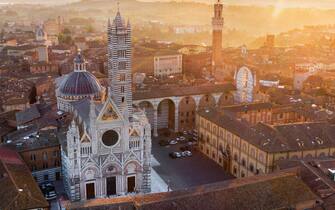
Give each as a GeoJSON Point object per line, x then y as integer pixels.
{"type": "Point", "coordinates": [110, 138]}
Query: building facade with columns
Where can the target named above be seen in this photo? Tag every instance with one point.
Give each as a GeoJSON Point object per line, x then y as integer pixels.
{"type": "Point", "coordinates": [106, 148]}
{"type": "Point", "coordinates": [175, 107]}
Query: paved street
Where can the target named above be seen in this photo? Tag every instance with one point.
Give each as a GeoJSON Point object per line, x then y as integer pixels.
{"type": "Point", "coordinates": [185, 172]}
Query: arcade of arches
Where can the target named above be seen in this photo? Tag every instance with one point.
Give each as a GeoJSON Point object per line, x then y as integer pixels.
{"type": "Point", "coordinates": [179, 113]}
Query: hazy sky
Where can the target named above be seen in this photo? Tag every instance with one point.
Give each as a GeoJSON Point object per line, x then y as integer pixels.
{"type": "Point", "coordinates": [279, 3]}
{"type": "Point", "coordinates": [283, 3]}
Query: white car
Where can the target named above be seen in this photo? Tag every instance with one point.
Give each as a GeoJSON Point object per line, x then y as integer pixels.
{"type": "Point", "coordinates": [185, 132]}
{"type": "Point", "coordinates": [172, 142]}
{"type": "Point", "coordinates": [182, 138]}
{"type": "Point", "coordinates": [177, 139]}
{"type": "Point", "coordinates": [188, 153]}
{"type": "Point", "coordinates": [178, 155]}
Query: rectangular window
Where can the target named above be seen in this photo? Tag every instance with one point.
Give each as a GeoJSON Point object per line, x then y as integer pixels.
{"type": "Point", "coordinates": [122, 77]}
{"type": "Point", "coordinates": [33, 157]}
{"type": "Point", "coordinates": [45, 156]}
{"type": "Point", "coordinates": [121, 53]}
{"type": "Point", "coordinates": [122, 65]}
{"type": "Point", "coordinates": [122, 89]}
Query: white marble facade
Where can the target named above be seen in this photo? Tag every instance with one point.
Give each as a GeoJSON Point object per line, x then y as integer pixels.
{"type": "Point", "coordinates": [107, 148]}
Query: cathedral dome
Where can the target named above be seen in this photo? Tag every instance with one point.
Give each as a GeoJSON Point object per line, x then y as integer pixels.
{"type": "Point", "coordinates": [80, 83]}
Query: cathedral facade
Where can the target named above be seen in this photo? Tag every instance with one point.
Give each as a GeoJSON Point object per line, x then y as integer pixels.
{"type": "Point", "coordinates": [106, 150]}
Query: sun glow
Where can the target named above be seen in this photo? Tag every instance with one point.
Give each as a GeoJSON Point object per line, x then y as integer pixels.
{"type": "Point", "coordinates": [279, 6]}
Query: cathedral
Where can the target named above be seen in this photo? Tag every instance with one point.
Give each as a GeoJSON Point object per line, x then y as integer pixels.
{"type": "Point", "coordinates": [106, 150]}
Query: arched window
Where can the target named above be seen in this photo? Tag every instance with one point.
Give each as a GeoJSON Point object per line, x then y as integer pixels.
{"type": "Point", "coordinates": [261, 157]}
{"type": "Point", "coordinates": [252, 152]}
{"type": "Point", "coordinates": [244, 147]}
{"type": "Point", "coordinates": [243, 162]}
{"type": "Point", "coordinates": [235, 157]}
{"type": "Point", "coordinates": [251, 167]}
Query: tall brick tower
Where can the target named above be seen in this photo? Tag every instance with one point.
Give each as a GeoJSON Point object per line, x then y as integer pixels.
{"type": "Point", "coordinates": [217, 25]}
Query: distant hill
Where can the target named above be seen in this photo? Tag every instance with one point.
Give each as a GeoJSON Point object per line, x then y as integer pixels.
{"type": "Point", "coordinates": [51, 2]}
{"type": "Point", "coordinates": [243, 23]}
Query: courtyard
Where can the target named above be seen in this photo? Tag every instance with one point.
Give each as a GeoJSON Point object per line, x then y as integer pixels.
{"type": "Point", "coordinates": [187, 171]}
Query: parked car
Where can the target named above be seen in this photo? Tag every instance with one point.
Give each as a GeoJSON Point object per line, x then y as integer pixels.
{"type": "Point", "coordinates": [182, 138]}
{"type": "Point", "coordinates": [188, 153]}
{"type": "Point", "coordinates": [185, 132]}
{"type": "Point", "coordinates": [178, 155]}
{"type": "Point", "coordinates": [175, 155]}
{"type": "Point", "coordinates": [172, 142]}
{"type": "Point", "coordinates": [48, 190]}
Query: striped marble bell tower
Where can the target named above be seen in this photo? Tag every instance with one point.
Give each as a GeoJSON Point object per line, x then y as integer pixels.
{"type": "Point", "coordinates": [119, 62]}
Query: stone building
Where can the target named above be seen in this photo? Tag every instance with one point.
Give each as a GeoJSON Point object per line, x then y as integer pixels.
{"type": "Point", "coordinates": [246, 150]}
{"type": "Point", "coordinates": [18, 188]}
{"type": "Point", "coordinates": [174, 107]}
{"type": "Point", "coordinates": [106, 150]}
{"type": "Point", "coordinates": [41, 153]}
{"type": "Point", "coordinates": [167, 65]}
{"type": "Point", "coordinates": [251, 113]}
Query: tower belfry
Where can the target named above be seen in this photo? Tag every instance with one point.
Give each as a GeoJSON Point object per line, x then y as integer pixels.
{"type": "Point", "coordinates": [217, 26]}
{"type": "Point", "coordinates": [119, 62]}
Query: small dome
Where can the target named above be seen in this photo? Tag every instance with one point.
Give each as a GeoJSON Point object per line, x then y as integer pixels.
{"type": "Point", "coordinates": [81, 83]}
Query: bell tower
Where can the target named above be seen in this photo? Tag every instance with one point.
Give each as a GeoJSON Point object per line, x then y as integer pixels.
{"type": "Point", "coordinates": [119, 62]}
{"type": "Point", "coordinates": [217, 25]}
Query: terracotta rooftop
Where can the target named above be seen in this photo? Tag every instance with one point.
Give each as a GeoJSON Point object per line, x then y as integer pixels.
{"type": "Point", "coordinates": [175, 90]}
{"type": "Point", "coordinates": [276, 191]}
{"type": "Point", "coordinates": [27, 115]}
{"type": "Point", "coordinates": [247, 107]}
{"type": "Point", "coordinates": [18, 188]}
{"type": "Point", "coordinates": [315, 174]}
{"type": "Point", "coordinates": [278, 138]}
